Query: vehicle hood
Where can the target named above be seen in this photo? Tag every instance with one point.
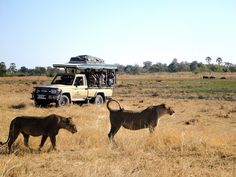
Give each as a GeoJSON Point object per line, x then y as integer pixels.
{"type": "Point", "coordinates": [53, 86]}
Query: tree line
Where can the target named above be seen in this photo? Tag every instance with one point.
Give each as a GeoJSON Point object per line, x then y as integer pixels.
{"type": "Point", "coordinates": [148, 67]}
{"type": "Point", "coordinates": [175, 66]}
{"type": "Point", "coordinates": [24, 71]}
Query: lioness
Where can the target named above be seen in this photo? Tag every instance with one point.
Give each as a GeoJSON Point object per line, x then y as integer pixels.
{"type": "Point", "coordinates": [147, 118]}
{"type": "Point", "coordinates": [36, 126]}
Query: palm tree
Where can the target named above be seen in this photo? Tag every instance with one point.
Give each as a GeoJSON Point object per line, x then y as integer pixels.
{"type": "Point", "coordinates": [12, 68]}
{"type": "Point", "coordinates": [208, 60]}
{"type": "Point", "coordinates": [219, 60]}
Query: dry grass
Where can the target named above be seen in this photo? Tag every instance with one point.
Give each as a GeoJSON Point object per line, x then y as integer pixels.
{"type": "Point", "coordinates": [206, 146]}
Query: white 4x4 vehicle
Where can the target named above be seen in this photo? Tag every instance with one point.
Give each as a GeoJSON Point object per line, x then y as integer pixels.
{"type": "Point", "coordinates": [86, 82]}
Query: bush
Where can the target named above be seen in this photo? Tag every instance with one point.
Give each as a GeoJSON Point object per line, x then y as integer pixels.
{"type": "Point", "coordinates": [18, 106]}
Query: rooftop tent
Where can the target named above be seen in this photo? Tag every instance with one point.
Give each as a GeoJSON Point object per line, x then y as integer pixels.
{"type": "Point", "coordinates": [86, 62]}
{"type": "Point", "coordinates": [85, 59]}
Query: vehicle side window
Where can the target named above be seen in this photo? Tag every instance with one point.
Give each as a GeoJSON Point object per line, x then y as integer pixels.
{"type": "Point", "coordinates": [79, 81]}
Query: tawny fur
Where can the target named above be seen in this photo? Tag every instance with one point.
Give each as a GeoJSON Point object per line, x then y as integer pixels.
{"type": "Point", "coordinates": [132, 120]}
{"type": "Point", "coordinates": [48, 126]}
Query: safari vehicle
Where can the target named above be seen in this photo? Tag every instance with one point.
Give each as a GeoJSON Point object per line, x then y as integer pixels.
{"type": "Point", "coordinates": [86, 79]}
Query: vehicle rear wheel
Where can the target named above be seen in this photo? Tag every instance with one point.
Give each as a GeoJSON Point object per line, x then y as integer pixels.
{"type": "Point", "coordinates": [99, 100]}
{"type": "Point", "coordinates": [64, 101]}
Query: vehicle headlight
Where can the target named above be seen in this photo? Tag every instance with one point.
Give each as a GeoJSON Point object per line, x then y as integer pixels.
{"type": "Point", "coordinates": [55, 91]}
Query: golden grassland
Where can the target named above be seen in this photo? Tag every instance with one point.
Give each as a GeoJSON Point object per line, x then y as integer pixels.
{"type": "Point", "coordinates": [199, 140]}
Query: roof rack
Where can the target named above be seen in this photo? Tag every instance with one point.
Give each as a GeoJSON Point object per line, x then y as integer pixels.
{"type": "Point", "coordinates": [86, 62]}
{"type": "Point", "coordinates": [85, 66]}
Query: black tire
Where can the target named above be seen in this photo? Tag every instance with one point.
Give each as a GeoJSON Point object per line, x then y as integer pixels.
{"type": "Point", "coordinates": [98, 100]}
{"type": "Point", "coordinates": [64, 101]}
{"type": "Point", "coordinates": [40, 104]}
{"type": "Point", "coordinates": [37, 104]}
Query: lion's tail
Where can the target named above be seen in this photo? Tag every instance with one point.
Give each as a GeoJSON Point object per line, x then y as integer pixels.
{"type": "Point", "coordinates": [10, 131]}
{"type": "Point", "coordinates": [2, 143]}
{"type": "Point", "coordinates": [109, 108]}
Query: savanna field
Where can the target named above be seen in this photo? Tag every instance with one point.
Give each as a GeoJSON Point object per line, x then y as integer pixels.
{"type": "Point", "coordinates": [198, 140]}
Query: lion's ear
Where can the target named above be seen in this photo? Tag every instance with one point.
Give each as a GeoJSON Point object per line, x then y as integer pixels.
{"type": "Point", "coordinates": [163, 105]}
{"type": "Point", "coordinates": [69, 119]}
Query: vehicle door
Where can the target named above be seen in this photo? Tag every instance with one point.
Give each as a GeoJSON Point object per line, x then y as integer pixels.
{"type": "Point", "coordinates": [79, 89]}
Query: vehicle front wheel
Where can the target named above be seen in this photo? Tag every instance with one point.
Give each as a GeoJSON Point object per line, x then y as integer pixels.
{"type": "Point", "coordinates": [99, 100]}
{"type": "Point", "coordinates": [40, 104]}
{"type": "Point", "coordinates": [64, 101]}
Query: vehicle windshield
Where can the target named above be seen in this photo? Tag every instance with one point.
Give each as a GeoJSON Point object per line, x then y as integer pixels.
{"type": "Point", "coordinates": [63, 79]}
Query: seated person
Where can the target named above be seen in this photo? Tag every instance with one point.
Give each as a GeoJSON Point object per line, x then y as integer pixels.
{"type": "Point", "coordinates": [110, 79]}
{"type": "Point", "coordinates": [79, 81]}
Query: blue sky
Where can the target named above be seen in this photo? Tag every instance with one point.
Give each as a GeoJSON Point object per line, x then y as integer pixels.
{"type": "Point", "coordinates": [44, 32]}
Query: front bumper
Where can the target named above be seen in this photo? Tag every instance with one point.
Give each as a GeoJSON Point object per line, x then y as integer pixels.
{"type": "Point", "coordinates": [49, 98]}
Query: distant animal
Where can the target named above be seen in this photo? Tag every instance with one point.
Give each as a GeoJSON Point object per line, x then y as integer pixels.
{"type": "Point", "coordinates": [212, 77]}
{"type": "Point", "coordinates": [205, 77]}
{"type": "Point", "coordinates": [223, 77]}
{"type": "Point", "coordinates": [132, 120]}
{"type": "Point", "coordinates": [48, 126]}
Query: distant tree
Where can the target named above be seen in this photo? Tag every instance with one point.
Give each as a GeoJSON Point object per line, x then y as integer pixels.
{"type": "Point", "coordinates": [120, 68]}
{"type": "Point", "coordinates": [31, 72]}
{"type": "Point", "coordinates": [132, 69]}
{"type": "Point", "coordinates": [175, 61]}
{"type": "Point", "coordinates": [52, 71]}
{"type": "Point", "coordinates": [128, 68]}
{"type": "Point", "coordinates": [158, 67]}
{"type": "Point", "coordinates": [215, 68]}
{"type": "Point", "coordinates": [183, 67]}
{"type": "Point", "coordinates": [193, 66]}
{"type": "Point", "coordinates": [227, 64]}
{"type": "Point", "coordinates": [23, 70]}
{"type": "Point", "coordinates": [3, 69]}
{"type": "Point", "coordinates": [136, 69]}
{"type": "Point", "coordinates": [202, 67]}
{"type": "Point", "coordinates": [154, 68]}
{"type": "Point", "coordinates": [12, 68]}
{"type": "Point", "coordinates": [40, 71]}
{"type": "Point", "coordinates": [208, 60]}
{"type": "Point", "coordinates": [225, 69]}
{"type": "Point", "coordinates": [147, 65]}
{"type": "Point", "coordinates": [173, 66]}
{"type": "Point", "coordinates": [232, 68]}
{"type": "Point", "coordinates": [219, 60]}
